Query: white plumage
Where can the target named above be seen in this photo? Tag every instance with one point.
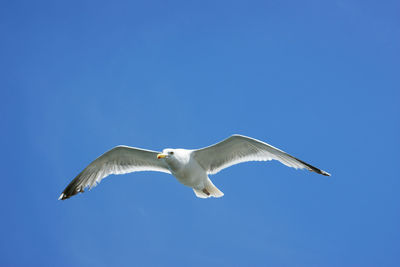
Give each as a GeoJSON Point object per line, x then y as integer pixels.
{"type": "Point", "coordinates": [190, 167]}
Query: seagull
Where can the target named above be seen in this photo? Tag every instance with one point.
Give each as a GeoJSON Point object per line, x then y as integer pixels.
{"type": "Point", "coordinates": [189, 167]}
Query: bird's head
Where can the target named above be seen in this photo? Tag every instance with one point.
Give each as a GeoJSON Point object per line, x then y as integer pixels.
{"type": "Point", "coordinates": [167, 153]}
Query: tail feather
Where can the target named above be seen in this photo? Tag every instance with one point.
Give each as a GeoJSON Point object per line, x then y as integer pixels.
{"type": "Point", "coordinates": [200, 194]}
{"type": "Point", "coordinates": [210, 190]}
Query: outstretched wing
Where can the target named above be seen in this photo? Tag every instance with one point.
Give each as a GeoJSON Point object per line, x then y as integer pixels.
{"type": "Point", "coordinates": [119, 160]}
{"type": "Point", "coordinates": [239, 148]}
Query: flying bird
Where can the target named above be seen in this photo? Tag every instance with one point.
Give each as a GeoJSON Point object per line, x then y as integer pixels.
{"type": "Point", "coordinates": [190, 167]}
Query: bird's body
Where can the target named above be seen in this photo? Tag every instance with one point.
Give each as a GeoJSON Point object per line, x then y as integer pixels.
{"type": "Point", "coordinates": [186, 170]}
{"type": "Point", "coordinates": [189, 167]}
{"type": "Point", "coordinates": [189, 172]}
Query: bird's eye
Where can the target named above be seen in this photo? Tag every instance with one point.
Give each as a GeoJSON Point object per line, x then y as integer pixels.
{"type": "Point", "coordinates": [171, 153]}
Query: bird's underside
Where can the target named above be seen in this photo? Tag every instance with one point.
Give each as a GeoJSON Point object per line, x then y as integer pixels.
{"type": "Point", "coordinates": [190, 167]}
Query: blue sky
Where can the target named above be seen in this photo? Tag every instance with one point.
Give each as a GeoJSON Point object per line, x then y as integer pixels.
{"type": "Point", "coordinates": [318, 79]}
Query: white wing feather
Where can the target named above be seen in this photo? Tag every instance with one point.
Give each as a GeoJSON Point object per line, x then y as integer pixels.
{"type": "Point", "coordinates": [238, 148]}
{"type": "Point", "coordinates": [119, 160]}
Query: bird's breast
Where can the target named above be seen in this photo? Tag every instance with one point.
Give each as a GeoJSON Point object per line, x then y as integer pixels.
{"type": "Point", "coordinates": [191, 175]}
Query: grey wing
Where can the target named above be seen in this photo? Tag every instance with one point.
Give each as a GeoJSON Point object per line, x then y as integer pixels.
{"type": "Point", "coordinates": [119, 160]}
{"type": "Point", "coordinates": [239, 148]}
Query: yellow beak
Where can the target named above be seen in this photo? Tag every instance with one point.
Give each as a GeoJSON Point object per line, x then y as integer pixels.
{"type": "Point", "coordinates": [161, 156]}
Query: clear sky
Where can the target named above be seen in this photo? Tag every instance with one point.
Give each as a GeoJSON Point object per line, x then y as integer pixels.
{"type": "Point", "coordinates": [318, 79]}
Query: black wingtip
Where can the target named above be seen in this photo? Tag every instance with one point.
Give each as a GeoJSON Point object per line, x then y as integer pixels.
{"type": "Point", "coordinates": [70, 190]}
{"type": "Point", "coordinates": [65, 196]}
{"type": "Point", "coordinates": [62, 197]}
{"type": "Point", "coordinates": [325, 173]}
{"type": "Point", "coordinates": [312, 168]}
